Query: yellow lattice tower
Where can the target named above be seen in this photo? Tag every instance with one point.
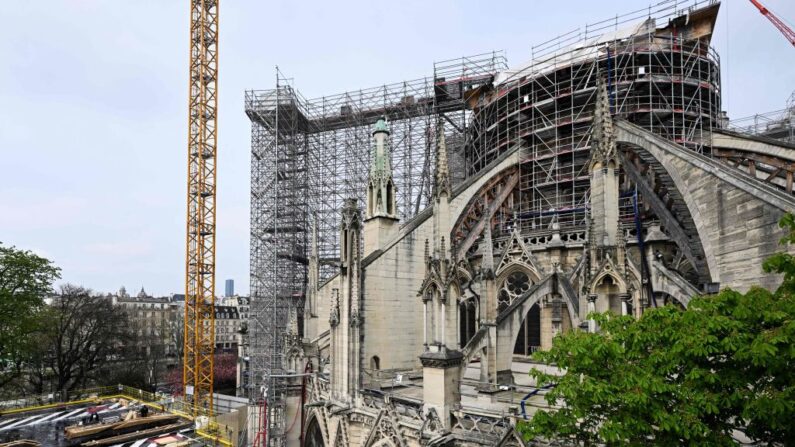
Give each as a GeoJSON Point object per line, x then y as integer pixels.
{"type": "Point", "coordinates": [202, 150]}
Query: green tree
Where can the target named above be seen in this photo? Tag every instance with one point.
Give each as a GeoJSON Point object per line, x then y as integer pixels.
{"type": "Point", "coordinates": [84, 336]}
{"type": "Point", "coordinates": [678, 377]}
{"type": "Point", "coordinates": [25, 280]}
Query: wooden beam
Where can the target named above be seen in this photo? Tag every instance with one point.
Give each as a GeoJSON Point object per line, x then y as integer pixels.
{"type": "Point", "coordinates": [507, 188]}
{"type": "Point", "coordinates": [680, 237]}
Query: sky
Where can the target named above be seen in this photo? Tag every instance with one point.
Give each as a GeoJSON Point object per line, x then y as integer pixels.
{"type": "Point", "coordinates": [93, 106]}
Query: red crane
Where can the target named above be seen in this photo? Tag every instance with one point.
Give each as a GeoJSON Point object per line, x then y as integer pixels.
{"type": "Point", "coordinates": [785, 30]}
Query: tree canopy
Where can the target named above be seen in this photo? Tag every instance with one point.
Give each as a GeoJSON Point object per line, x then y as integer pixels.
{"type": "Point", "coordinates": [25, 280]}
{"type": "Point", "coordinates": [703, 375]}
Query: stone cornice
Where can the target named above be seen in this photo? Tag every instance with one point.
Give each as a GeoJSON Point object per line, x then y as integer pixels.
{"type": "Point", "coordinates": [442, 359]}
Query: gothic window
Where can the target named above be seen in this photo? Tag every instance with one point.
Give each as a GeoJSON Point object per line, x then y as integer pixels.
{"type": "Point", "coordinates": [430, 294]}
{"type": "Point", "coordinates": [375, 363]}
{"type": "Point", "coordinates": [467, 320]}
{"type": "Point", "coordinates": [514, 286]}
{"type": "Point", "coordinates": [314, 437]}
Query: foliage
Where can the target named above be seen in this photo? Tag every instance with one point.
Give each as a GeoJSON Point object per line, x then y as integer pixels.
{"type": "Point", "coordinates": [25, 280]}
{"type": "Point", "coordinates": [677, 377]}
{"type": "Point", "coordinates": [84, 334]}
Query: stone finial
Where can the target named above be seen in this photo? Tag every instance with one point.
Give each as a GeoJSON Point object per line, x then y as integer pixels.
{"type": "Point", "coordinates": [442, 184]}
{"type": "Point", "coordinates": [603, 142]}
{"type": "Point", "coordinates": [427, 249]}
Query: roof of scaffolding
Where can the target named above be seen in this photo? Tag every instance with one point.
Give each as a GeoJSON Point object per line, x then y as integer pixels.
{"type": "Point", "coordinates": [585, 44]}
{"type": "Point", "coordinates": [583, 50]}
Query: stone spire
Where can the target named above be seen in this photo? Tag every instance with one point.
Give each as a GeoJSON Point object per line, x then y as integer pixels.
{"type": "Point", "coordinates": [313, 273]}
{"type": "Point", "coordinates": [603, 140]}
{"type": "Point", "coordinates": [442, 183]}
{"type": "Point", "coordinates": [603, 171]}
{"type": "Point", "coordinates": [314, 248]}
{"type": "Point", "coordinates": [381, 191]}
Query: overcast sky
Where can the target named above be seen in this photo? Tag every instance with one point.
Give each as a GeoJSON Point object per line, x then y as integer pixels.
{"type": "Point", "coordinates": [93, 106]}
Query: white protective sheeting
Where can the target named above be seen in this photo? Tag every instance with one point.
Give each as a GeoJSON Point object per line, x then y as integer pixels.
{"type": "Point", "coordinates": [586, 49]}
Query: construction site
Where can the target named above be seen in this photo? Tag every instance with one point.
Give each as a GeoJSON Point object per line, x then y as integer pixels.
{"type": "Point", "coordinates": [115, 416]}
{"type": "Point", "coordinates": [414, 243]}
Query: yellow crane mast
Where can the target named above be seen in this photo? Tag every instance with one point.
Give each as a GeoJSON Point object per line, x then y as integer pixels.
{"type": "Point", "coordinates": [200, 260]}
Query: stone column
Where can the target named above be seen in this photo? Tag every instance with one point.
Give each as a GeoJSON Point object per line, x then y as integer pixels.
{"type": "Point", "coordinates": [624, 303]}
{"type": "Point", "coordinates": [444, 323]}
{"type": "Point", "coordinates": [441, 389]}
{"type": "Point", "coordinates": [592, 308]}
{"type": "Point", "coordinates": [644, 301]}
{"type": "Point", "coordinates": [556, 315]}
{"type": "Point", "coordinates": [425, 324]}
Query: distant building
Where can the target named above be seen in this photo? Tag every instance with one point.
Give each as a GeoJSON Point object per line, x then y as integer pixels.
{"type": "Point", "coordinates": [230, 287]}
{"type": "Point", "coordinates": [227, 328]}
{"type": "Point", "coordinates": [157, 319]}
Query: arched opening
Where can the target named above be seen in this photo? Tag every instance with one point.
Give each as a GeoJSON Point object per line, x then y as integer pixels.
{"type": "Point", "coordinates": [664, 299]}
{"type": "Point", "coordinates": [529, 339]}
{"type": "Point", "coordinates": [370, 202]}
{"type": "Point", "coordinates": [467, 320]}
{"type": "Point", "coordinates": [375, 363]}
{"type": "Point", "coordinates": [314, 437]}
{"type": "Point", "coordinates": [608, 290]}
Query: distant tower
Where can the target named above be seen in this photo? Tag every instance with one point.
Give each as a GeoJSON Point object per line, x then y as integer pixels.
{"type": "Point", "coordinates": [229, 289]}
{"type": "Point", "coordinates": [381, 214]}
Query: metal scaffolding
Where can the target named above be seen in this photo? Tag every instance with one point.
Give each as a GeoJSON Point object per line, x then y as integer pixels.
{"type": "Point", "coordinates": [309, 155]}
{"type": "Point", "coordinates": [664, 82]}
{"type": "Point", "coordinates": [779, 124]}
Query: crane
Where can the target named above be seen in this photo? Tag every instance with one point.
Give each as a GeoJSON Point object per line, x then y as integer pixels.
{"type": "Point", "coordinates": [778, 23]}
{"type": "Point", "coordinates": [199, 334]}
